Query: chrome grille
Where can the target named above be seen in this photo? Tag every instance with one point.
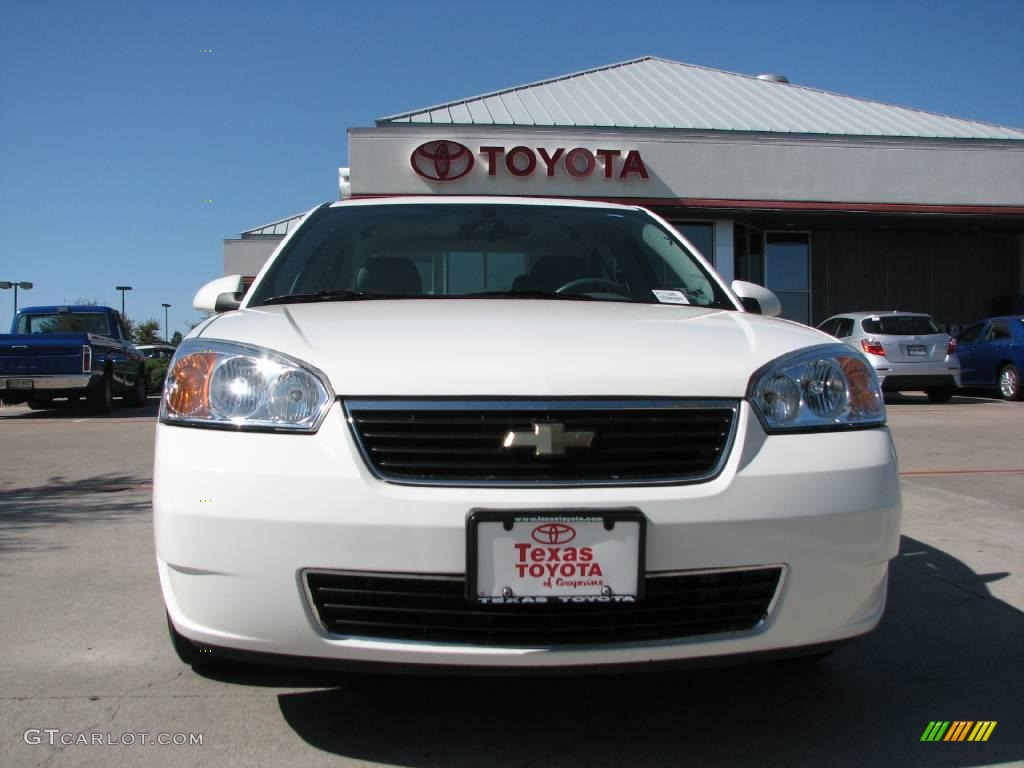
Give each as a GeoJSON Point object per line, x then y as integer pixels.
{"type": "Point", "coordinates": [634, 442]}
{"type": "Point", "coordinates": [435, 609]}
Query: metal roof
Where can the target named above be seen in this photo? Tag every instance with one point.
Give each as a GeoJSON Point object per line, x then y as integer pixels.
{"type": "Point", "coordinates": [481, 199]}
{"type": "Point", "coordinates": [280, 227]}
{"type": "Point", "coordinates": [651, 92]}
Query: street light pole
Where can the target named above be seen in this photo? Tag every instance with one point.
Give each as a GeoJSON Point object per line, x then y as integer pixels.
{"type": "Point", "coordinates": [122, 289]}
{"type": "Point", "coordinates": [5, 285]}
{"type": "Point", "coordinates": [166, 329]}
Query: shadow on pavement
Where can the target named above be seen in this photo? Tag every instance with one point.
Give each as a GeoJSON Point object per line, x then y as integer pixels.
{"type": "Point", "coordinates": [64, 410]}
{"type": "Point", "coordinates": [99, 499]}
{"type": "Point", "coordinates": [946, 650]}
{"type": "Point", "coordinates": [963, 397]}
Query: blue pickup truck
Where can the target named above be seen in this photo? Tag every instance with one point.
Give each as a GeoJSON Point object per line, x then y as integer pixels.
{"type": "Point", "coordinates": [72, 352]}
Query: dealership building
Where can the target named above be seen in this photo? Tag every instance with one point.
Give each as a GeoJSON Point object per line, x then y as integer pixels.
{"type": "Point", "coordinates": [835, 203]}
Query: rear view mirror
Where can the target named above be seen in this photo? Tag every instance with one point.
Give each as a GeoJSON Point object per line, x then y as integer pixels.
{"type": "Point", "coordinates": [220, 295]}
{"type": "Point", "coordinates": [493, 229]}
{"type": "Point", "coordinates": [757, 299]}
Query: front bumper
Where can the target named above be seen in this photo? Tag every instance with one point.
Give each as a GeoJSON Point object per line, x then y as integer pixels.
{"type": "Point", "coordinates": [240, 516]}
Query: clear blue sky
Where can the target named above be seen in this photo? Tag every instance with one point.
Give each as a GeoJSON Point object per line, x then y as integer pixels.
{"type": "Point", "coordinates": [115, 126]}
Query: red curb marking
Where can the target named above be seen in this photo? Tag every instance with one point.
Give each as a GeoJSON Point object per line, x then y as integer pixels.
{"type": "Point", "coordinates": [962, 472]}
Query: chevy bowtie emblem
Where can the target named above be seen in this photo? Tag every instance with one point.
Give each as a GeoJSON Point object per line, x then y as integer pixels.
{"type": "Point", "coordinates": [548, 439]}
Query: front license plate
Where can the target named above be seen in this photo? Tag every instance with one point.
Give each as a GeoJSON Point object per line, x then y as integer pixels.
{"type": "Point", "coordinates": [19, 383]}
{"type": "Point", "coordinates": [917, 350]}
{"type": "Point", "coordinates": [555, 556]}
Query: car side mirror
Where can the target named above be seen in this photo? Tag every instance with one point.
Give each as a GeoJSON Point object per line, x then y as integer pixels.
{"type": "Point", "coordinates": [757, 299]}
{"type": "Point", "coordinates": [220, 295]}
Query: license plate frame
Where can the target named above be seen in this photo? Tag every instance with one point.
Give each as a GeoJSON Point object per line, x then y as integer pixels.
{"type": "Point", "coordinates": [20, 384]}
{"type": "Point", "coordinates": [595, 528]}
{"type": "Point", "coordinates": [917, 350]}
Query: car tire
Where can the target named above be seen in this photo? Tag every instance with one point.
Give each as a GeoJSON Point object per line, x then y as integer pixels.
{"type": "Point", "coordinates": [1009, 383]}
{"type": "Point", "coordinates": [137, 395]}
{"type": "Point", "coordinates": [187, 651]}
{"type": "Point", "coordinates": [939, 394]}
{"type": "Point", "coordinates": [101, 398]}
{"type": "Point", "coordinates": [40, 403]}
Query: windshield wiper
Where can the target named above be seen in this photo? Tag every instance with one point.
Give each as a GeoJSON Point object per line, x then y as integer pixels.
{"type": "Point", "coordinates": [306, 298]}
{"type": "Point", "coordinates": [529, 294]}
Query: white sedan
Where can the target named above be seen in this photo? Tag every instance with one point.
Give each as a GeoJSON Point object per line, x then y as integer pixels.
{"type": "Point", "coordinates": [514, 433]}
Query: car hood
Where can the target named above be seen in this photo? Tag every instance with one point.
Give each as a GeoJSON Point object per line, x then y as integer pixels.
{"type": "Point", "coordinates": [483, 347]}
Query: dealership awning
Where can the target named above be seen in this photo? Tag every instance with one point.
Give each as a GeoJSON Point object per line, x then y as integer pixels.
{"type": "Point", "coordinates": [652, 92]}
{"type": "Point", "coordinates": [277, 228]}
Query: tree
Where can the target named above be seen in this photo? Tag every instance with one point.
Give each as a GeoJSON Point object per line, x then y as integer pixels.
{"type": "Point", "coordinates": [146, 332]}
{"type": "Point", "coordinates": [192, 325]}
{"type": "Point", "coordinates": [177, 338]}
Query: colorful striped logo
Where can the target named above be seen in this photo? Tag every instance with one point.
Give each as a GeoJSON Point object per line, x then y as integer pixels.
{"type": "Point", "coordinates": [958, 730]}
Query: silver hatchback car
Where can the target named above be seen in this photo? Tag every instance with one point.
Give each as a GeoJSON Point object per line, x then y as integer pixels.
{"type": "Point", "coordinates": [908, 350]}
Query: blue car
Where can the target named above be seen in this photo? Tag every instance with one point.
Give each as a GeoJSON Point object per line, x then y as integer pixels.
{"type": "Point", "coordinates": [992, 355]}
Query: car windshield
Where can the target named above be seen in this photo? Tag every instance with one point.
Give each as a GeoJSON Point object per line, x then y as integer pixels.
{"type": "Point", "coordinates": [901, 325]}
{"type": "Point", "coordinates": [64, 322]}
{"type": "Point", "coordinates": [486, 251]}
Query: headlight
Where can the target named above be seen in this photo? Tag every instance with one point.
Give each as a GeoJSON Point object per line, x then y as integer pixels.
{"type": "Point", "coordinates": [827, 387]}
{"type": "Point", "coordinates": [239, 386]}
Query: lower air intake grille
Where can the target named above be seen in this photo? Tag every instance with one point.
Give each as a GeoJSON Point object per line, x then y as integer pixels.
{"type": "Point", "coordinates": [435, 609]}
{"type": "Point", "coordinates": [532, 442]}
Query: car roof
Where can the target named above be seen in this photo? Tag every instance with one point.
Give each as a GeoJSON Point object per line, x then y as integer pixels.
{"type": "Point", "coordinates": [481, 199]}
{"type": "Point", "coordinates": [69, 307]}
{"type": "Point", "coordinates": [860, 315]}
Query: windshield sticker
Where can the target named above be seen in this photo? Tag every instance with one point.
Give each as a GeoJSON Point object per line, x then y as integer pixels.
{"type": "Point", "coordinates": [671, 297]}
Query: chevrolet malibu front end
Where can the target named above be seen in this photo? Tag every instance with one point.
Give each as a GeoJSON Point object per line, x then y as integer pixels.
{"type": "Point", "coordinates": [499, 433]}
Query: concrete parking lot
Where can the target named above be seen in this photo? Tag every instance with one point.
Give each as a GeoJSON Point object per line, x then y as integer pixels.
{"type": "Point", "coordinates": [85, 649]}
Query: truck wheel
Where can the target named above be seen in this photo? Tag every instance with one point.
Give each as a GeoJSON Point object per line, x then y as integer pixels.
{"type": "Point", "coordinates": [101, 398]}
{"type": "Point", "coordinates": [137, 395]}
{"type": "Point", "coordinates": [39, 403]}
{"type": "Point", "coordinates": [1009, 382]}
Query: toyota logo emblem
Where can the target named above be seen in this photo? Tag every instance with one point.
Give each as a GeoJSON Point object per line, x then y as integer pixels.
{"type": "Point", "coordinates": [442, 160]}
{"type": "Point", "coordinates": [553, 533]}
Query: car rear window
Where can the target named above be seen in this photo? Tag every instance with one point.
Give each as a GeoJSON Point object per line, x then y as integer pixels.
{"type": "Point", "coordinates": [900, 325]}
{"type": "Point", "coordinates": [65, 322]}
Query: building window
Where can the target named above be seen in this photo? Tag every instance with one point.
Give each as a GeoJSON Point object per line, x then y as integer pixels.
{"type": "Point", "coordinates": [787, 269]}
{"type": "Point", "coordinates": [473, 271]}
{"type": "Point", "coordinates": [748, 254]}
{"type": "Point", "coordinates": [701, 234]}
